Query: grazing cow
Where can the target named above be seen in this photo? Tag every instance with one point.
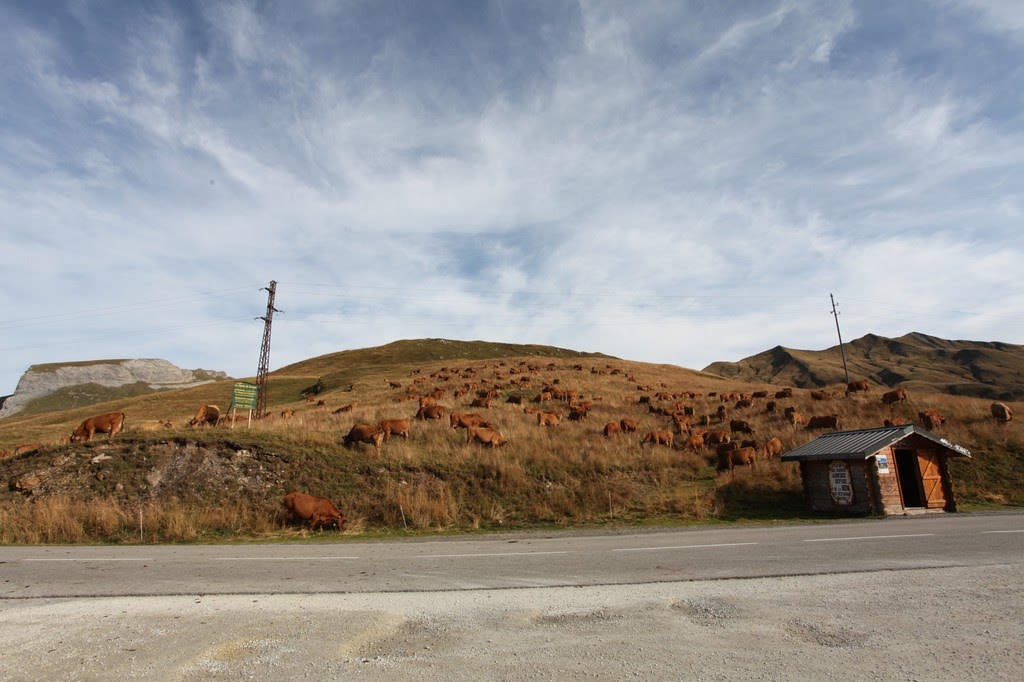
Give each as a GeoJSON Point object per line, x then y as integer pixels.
{"type": "Point", "coordinates": [725, 447]}
{"type": "Point", "coordinates": [480, 402]}
{"type": "Point", "coordinates": [820, 395]}
{"type": "Point", "coordinates": [627, 425]}
{"type": "Point", "coordinates": [694, 442]}
{"type": "Point", "coordinates": [731, 459]}
{"type": "Point", "coordinates": [465, 420]}
{"type": "Point", "coordinates": [427, 400]}
{"type": "Point", "coordinates": [930, 419]}
{"type": "Point", "coordinates": [485, 436]}
{"type": "Point", "coordinates": [722, 413]}
{"type": "Point", "coordinates": [740, 426]}
{"type": "Point", "coordinates": [206, 415]}
{"type": "Point", "coordinates": [547, 419]}
{"type": "Point", "coordinates": [611, 428]}
{"type": "Point", "coordinates": [742, 404]}
{"type": "Point", "coordinates": [394, 384]}
{"type": "Point", "coordinates": [794, 417]}
{"type": "Point", "coordinates": [287, 414]}
{"type": "Point", "coordinates": [660, 437]}
{"type": "Point", "coordinates": [542, 397]}
{"type": "Point", "coordinates": [893, 422]}
{"type": "Point", "coordinates": [681, 423]}
{"type": "Point", "coordinates": [515, 399]}
{"type": "Point", "coordinates": [394, 427]}
{"type": "Point", "coordinates": [861, 386]}
{"type": "Point", "coordinates": [894, 396]}
{"type": "Point", "coordinates": [111, 423]}
{"type": "Point", "coordinates": [749, 444]}
{"type": "Point", "coordinates": [576, 415]}
{"type": "Point", "coordinates": [318, 511]}
{"type": "Point", "coordinates": [716, 437]}
{"type": "Point", "coordinates": [364, 433]}
{"type": "Point", "coordinates": [759, 394]}
{"type": "Point", "coordinates": [772, 448]}
{"type": "Point", "coordinates": [830, 421]}
{"type": "Point", "coordinates": [431, 412]}
{"type": "Point", "coordinates": [321, 403]}
{"type": "Point", "coordinates": [769, 407]}
{"type": "Point", "coordinates": [1002, 412]}
{"type": "Point", "coordinates": [784, 393]}
{"type": "Point", "coordinates": [309, 398]}
{"type": "Point", "coordinates": [344, 408]}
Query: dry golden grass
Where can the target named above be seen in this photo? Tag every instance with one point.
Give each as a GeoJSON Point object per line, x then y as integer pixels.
{"type": "Point", "coordinates": [566, 474]}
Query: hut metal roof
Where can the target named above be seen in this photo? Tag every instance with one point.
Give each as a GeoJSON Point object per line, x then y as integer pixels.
{"type": "Point", "coordinates": [865, 443]}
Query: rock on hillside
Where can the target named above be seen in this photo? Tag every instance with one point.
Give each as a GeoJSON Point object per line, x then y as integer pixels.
{"type": "Point", "coordinates": [916, 361]}
{"type": "Point", "coordinates": [60, 386]}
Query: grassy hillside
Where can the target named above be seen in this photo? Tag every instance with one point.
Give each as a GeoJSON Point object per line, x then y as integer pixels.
{"type": "Point", "coordinates": [918, 362]}
{"type": "Point", "coordinates": [223, 482]}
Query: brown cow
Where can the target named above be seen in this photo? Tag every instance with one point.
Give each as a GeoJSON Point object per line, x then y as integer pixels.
{"type": "Point", "coordinates": [830, 421]}
{"type": "Point", "coordinates": [794, 417]}
{"type": "Point", "coordinates": [111, 423]}
{"type": "Point", "coordinates": [821, 395]}
{"type": "Point", "coordinates": [894, 396]}
{"type": "Point", "coordinates": [287, 414]}
{"type": "Point", "coordinates": [740, 426]}
{"type": "Point", "coordinates": [1002, 412]}
{"type": "Point", "coordinates": [515, 399]}
{"type": "Point", "coordinates": [431, 412]}
{"type": "Point", "coordinates": [611, 428]}
{"type": "Point", "coordinates": [715, 437]}
{"type": "Point", "coordinates": [394, 427]}
{"type": "Point", "coordinates": [27, 448]}
{"type": "Point", "coordinates": [480, 402]}
{"type": "Point", "coordinates": [784, 393]}
{"type": "Point", "coordinates": [344, 408]}
{"type": "Point", "coordinates": [930, 419]}
{"type": "Point", "coordinates": [858, 386]}
{"type": "Point", "coordinates": [731, 459]}
{"type": "Point", "coordinates": [484, 436]}
{"type": "Point", "coordinates": [694, 442]}
{"type": "Point", "coordinates": [547, 419]}
{"type": "Point", "coordinates": [464, 420]}
{"type": "Point", "coordinates": [318, 511]}
{"type": "Point", "coordinates": [576, 415]}
{"type": "Point", "coordinates": [627, 425]}
{"type": "Point", "coordinates": [660, 437]}
{"type": "Point", "coordinates": [772, 448]}
{"type": "Point", "coordinates": [206, 415]}
{"type": "Point", "coordinates": [364, 433]}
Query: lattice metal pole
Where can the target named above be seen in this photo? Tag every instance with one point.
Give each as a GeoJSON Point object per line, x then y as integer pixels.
{"type": "Point", "coordinates": [264, 368]}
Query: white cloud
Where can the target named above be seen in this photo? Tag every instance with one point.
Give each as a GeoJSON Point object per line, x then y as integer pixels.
{"type": "Point", "coordinates": [678, 183]}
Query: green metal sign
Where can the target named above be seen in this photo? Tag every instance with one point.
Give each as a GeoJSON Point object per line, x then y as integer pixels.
{"type": "Point", "coordinates": [243, 395]}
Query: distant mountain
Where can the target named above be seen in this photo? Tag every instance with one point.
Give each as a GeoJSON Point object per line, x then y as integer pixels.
{"type": "Point", "coordinates": [63, 386]}
{"type": "Point", "coordinates": [916, 361]}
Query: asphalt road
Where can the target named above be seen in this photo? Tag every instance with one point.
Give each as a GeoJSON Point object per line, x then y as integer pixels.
{"type": "Point", "coordinates": [516, 560]}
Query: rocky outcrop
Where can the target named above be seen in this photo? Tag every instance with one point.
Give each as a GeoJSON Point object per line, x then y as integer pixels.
{"type": "Point", "coordinates": [99, 380]}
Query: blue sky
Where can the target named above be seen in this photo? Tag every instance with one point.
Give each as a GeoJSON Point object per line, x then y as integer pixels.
{"type": "Point", "coordinates": [667, 182]}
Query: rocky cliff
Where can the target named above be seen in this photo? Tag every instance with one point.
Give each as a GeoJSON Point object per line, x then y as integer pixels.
{"type": "Point", "coordinates": [61, 386]}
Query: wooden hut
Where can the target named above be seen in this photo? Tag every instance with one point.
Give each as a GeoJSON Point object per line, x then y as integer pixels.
{"type": "Point", "coordinates": [890, 470]}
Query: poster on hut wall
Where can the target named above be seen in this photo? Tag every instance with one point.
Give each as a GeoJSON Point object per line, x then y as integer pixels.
{"type": "Point", "coordinates": [883, 463]}
{"type": "Point", "coordinates": [840, 482]}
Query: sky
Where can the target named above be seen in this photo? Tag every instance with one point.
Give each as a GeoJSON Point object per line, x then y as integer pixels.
{"type": "Point", "coordinates": [668, 182]}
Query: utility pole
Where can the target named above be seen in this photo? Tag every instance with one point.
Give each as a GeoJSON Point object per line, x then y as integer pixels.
{"type": "Point", "coordinates": [835, 314]}
{"type": "Point", "coordinates": [264, 368]}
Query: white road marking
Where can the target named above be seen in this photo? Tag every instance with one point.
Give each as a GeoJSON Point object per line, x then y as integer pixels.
{"type": "Point", "coordinates": [459, 556]}
{"type": "Point", "coordinates": [282, 558]}
{"type": "Point", "coordinates": [871, 537]}
{"type": "Point", "coordinates": [94, 559]}
{"type": "Point", "coordinates": [654, 549]}
{"type": "Point", "coordinates": [1002, 531]}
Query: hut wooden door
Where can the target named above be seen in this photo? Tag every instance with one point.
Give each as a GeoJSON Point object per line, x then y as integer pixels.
{"type": "Point", "coordinates": [931, 478]}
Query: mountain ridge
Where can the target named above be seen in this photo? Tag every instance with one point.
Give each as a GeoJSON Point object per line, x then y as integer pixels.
{"type": "Point", "coordinates": [982, 369]}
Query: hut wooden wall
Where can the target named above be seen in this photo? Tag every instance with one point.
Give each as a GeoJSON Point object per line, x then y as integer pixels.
{"type": "Point", "coordinates": [818, 492]}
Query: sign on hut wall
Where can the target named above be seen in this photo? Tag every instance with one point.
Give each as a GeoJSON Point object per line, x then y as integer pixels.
{"type": "Point", "coordinates": [883, 463]}
{"type": "Point", "coordinates": [840, 482]}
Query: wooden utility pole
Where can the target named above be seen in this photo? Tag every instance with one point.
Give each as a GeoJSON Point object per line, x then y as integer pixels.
{"type": "Point", "coordinates": [835, 314]}
{"type": "Point", "coordinates": [264, 368]}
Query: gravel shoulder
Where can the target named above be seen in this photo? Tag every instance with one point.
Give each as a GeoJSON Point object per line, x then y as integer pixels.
{"type": "Point", "coordinates": [949, 623]}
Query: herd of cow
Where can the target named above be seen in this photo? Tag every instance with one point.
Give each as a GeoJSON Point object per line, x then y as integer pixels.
{"type": "Point", "coordinates": [732, 439]}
